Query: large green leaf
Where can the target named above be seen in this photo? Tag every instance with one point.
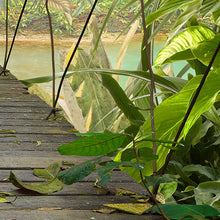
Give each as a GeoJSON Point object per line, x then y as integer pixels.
{"type": "Point", "coordinates": [190, 10]}
{"type": "Point", "coordinates": [168, 7]}
{"type": "Point", "coordinates": [78, 172]}
{"type": "Point", "coordinates": [177, 211]}
{"type": "Point", "coordinates": [216, 16]}
{"type": "Point", "coordinates": [93, 145]}
{"type": "Point", "coordinates": [50, 186]}
{"type": "Point", "coordinates": [169, 115]}
{"type": "Point", "coordinates": [204, 170]}
{"type": "Point", "coordinates": [89, 91]}
{"type": "Point", "coordinates": [180, 47]}
{"type": "Point", "coordinates": [205, 50]}
{"type": "Point", "coordinates": [162, 81]}
{"type": "Point", "coordinates": [209, 6]}
{"type": "Point", "coordinates": [105, 171]}
{"type": "Point", "coordinates": [207, 192]}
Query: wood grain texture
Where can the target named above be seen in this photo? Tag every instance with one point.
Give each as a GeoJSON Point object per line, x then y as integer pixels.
{"type": "Point", "coordinates": [25, 113]}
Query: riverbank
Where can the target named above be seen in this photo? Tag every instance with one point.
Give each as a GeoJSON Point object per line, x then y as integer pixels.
{"type": "Point", "coordinates": [44, 39]}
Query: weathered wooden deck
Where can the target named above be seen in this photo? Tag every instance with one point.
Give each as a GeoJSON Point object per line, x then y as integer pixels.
{"type": "Point", "coordinates": [25, 113]}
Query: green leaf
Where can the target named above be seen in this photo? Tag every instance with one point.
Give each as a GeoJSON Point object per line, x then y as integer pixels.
{"type": "Point", "coordinates": [168, 7]}
{"type": "Point", "coordinates": [156, 180]}
{"type": "Point", "coordinates": [204, 170]}
{"type": "Point", "coordinates": [169, 115]}
{"type": "Point", "coordinates": [78, 172]}
{"type": "Point", "coordinates": [105, 172]}
{"type": "Point", "coordinates": [49, 172]}
{"type": "Point", "coordinates": [168, 189]}
{"type": "Point", "coordinates": [207, 192]}
{"type": "Point", "coordinates": [180, 47]}
{"type": "Point", "coordinates": [205, 50]}
{"type": "Point", "coordinates": [97, 144]}
{"type": "Point", "coordinates": [4, 200]}
{"type": "Point", "coordinates": [176, 211]}
{"type": "Point", "coordinates": [209, 6]}
{"type": "Point", "coordinates": [216, 16]}
{"type": "Point", "coordinates": [8, 131]}
{"type": "Point", "coordinates": [143, 153]}
{"type": "Point", "coordinates": [50, 186]}
{"type": "Point", "coordinates": [184, 17]}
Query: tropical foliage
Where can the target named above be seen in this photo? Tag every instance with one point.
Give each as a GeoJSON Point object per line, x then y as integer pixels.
{"type": "Point", "coordinates": [193, 174]}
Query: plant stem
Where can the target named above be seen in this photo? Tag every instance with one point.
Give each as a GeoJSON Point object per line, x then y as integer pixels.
{"type": "Point", "coordinates": [190, 109]}
{"type": "Point", "coordinates": [152, 88]}
{"type": "Point", "coordinates": [71, 58]}
{"type": "Point", "coordinates": [52, 53]}
{"type": "Point", "coordinates": [143, 182]}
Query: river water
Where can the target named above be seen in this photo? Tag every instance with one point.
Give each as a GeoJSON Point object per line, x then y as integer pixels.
{"type": "Point", "coordinates": [29, 61]}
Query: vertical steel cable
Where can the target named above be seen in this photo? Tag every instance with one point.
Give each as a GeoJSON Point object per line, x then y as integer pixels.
{"type": "Point", "coordinates": [6, 38]}
{"type": "Point", "coordinates": [16, 30]}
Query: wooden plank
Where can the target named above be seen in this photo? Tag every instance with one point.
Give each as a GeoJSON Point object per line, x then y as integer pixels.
{"type": "Point", "coordinates": [44, 138]}
{"type": "Point", "coordinates": [37, 123]}
{"type": "Point", "coordinates": [28, 176]}
{"type": "Point", "coordinates": [77, 202]}
{"type": "Point", "coordinates": [19, 98]}
{"type": "Point", "coordinates": [37, 129]}
{"type": "Point", "coordinates": [24, 110]}
{"type": "Point", "coordinates": [29, 146]}
{"type": "Point", "coordinates": [70, 215]}
{"type": "Point", "coordinates": [8, 103]}
{"type": "Point", "coordinates": [30, 162]}
{"type": "Point", "coordinates": [23, 115]}
{"type": "Point", "coordinates": [80, 188]}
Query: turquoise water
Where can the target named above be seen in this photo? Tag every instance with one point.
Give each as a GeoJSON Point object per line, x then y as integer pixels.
{"type": "Point", "coordinates": [33, 61]}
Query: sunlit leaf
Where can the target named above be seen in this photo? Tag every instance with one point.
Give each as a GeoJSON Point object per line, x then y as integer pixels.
{"type": "Point", "coordinates": [97, 144]}
{"type": "Point", "coordinates": [205, 51]}
{"type": "Point", "coordinates": [167, 124]}
{"type": "Point", "coordinates": [180, 47]}
{"type": "Point", "coordinates": [133, 208]}
{"type": "Point", "coordinates": [89, 118]}
{"type": "Point", "coordinates": [168, 7]}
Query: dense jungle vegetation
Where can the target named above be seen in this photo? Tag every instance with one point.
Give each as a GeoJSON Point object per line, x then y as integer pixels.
{"type": "Point", "coordinates": [163, 130]}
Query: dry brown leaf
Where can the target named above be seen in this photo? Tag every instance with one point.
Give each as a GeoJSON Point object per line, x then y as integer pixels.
{"type": "Point", "coordinates": [160, 198]}
{"type": "Point", "coordinates": [134, 208]}
{"type": "Point", "coordinates": [122, 192]}
{"type": "Point", "coordinates": [142, 200]}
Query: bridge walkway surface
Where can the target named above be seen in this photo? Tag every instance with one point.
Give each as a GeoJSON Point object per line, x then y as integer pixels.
{"type": "Point", "coordinates": [34, 145]}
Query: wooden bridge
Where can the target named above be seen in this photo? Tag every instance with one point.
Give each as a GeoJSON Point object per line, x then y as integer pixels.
{"type": "Point", "coordinates": [34, 146]}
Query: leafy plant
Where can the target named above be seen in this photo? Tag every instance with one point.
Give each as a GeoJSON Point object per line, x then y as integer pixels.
{"type": "Point", "coordinates": [188, 114]}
